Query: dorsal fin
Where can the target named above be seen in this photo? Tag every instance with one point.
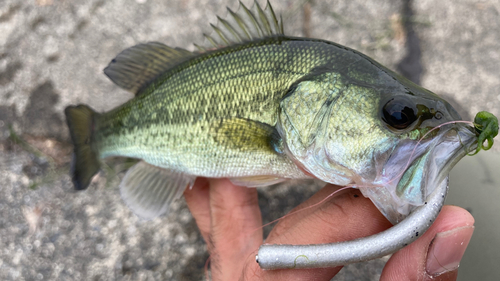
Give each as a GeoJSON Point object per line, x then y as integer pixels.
{"type": "Point", "coordinates": [135, 67]}
{"type": "Point", "coordinates": [242, 26]}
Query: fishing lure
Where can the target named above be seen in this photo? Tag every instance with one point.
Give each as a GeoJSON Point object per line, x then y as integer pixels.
{"type": "Point", "coordinates": [486, 125]}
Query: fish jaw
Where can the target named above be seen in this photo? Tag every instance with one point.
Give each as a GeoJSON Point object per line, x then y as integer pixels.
{"type": "Point", "coordinates": [414, 169]}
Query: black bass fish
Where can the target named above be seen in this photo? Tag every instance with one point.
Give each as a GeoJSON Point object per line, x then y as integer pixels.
{"type": "Point", "coordinates": [260, 107]}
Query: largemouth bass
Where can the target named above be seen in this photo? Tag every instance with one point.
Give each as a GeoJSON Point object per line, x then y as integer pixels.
{"type": "Point", "coordinates": [260, 107]}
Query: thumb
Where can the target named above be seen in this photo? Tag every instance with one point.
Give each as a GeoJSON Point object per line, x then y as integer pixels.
{"type": "Point", "coordinates": [435, 255]}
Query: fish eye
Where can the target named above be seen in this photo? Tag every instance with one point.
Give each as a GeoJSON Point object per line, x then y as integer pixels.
{"type": "Point", "coordinates": [399, 113]}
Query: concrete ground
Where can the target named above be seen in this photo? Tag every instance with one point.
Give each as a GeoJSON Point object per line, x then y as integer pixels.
{"type": "Point", "coordinates": [52, 53]}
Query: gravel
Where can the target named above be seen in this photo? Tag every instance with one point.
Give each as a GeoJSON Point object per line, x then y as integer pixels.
{"type": "Point", "coordinates": [52, 54]}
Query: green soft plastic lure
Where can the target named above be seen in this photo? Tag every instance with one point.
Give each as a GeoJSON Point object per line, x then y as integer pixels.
{"type": "Point", "coordinates": [486, 125]}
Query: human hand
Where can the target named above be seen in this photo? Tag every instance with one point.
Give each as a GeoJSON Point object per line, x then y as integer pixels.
{"type": "Point", "coordinates": [227, 216]}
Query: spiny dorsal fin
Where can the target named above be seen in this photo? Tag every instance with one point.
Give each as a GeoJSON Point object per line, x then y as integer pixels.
{"type": "Point", "coordinates": [135, 67]}
{"type": "Point", "coordinates": [243, 26]}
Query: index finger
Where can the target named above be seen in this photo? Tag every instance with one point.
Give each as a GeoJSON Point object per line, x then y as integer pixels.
{"type": "Point", "coordinates": [198, 201]}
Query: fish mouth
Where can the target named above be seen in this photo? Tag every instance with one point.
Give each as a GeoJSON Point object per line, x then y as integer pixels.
{"type": "Point", "coordinates": [414, 169]}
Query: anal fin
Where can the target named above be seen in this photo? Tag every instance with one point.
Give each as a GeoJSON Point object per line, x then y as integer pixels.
{"type": "Point", "coordinates": [149, 190]}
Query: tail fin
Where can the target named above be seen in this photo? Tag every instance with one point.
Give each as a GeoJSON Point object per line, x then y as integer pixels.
{"type": "Point", "coordinates": [85, 164]}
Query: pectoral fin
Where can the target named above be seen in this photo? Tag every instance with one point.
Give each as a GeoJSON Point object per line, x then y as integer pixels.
{"type": "Point", "coordinates": [248, 135]}
{"type": "Point", "coordinates": [149, 190]}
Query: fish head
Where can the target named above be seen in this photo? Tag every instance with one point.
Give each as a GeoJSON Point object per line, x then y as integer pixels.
{"type": "Point", "coordinates": [385, 137]}
{"type": "Point", "coordinates": [423, 155]}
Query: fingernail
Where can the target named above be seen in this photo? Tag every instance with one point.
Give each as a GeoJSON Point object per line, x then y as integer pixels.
{"type": "Point", "coordinates": [447, 249]}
